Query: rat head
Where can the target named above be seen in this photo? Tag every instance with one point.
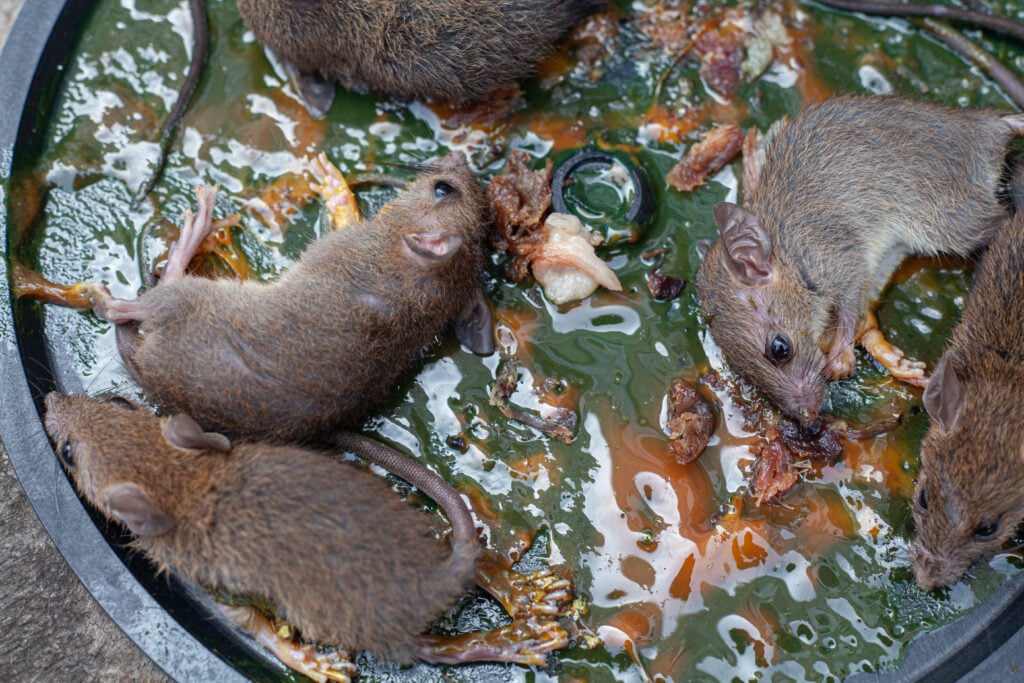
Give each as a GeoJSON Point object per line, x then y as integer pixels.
{"type": "Point", "coordinates": [123, 460]}
{"type": "Point", "coordinates": [968, 499]}
{"type": "Point", "coordinates": [767, 323]}
{"type": "Point", "coordinates": [440, 215]}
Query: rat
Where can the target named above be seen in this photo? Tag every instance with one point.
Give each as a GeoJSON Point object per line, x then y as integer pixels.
{"type": "Point", "coordinates": [313, 352]}
{"type": "Point", "coordinates": [846, 191]}
{"type": "Point", "coordinates": [331, 547]}
{"type": "Point", "coordinates": [453, 52]}
{"type": "Point", "coordinates": [969, 495]}
{"type": "Point", "coordinates": [328, 546]}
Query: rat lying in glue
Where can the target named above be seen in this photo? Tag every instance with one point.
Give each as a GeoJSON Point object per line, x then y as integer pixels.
{"type": "Point", "coordinates": [350, 565]}
{"type": "Point", "coordinates": [303, 358]}
{"type": "Point", "coordinates": [297, 359]}
{"type": "Point", "coordinates": [845, 191]}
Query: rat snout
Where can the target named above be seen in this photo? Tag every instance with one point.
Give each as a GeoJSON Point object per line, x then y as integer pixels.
{"type": "Point", "coordinates": [933, 569]}
{"type": "Point", "coordinates": [810, 420]}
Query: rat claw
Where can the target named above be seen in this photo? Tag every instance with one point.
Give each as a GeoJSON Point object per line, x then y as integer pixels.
{"type": "Point", "coordinates": [339, 201]}
{"type": "Point", "coordinates": [538, 594]}
{"type": "Point", "coordinates": [893, 359]}
{"type": "Point", "coordinates": [524, 641]}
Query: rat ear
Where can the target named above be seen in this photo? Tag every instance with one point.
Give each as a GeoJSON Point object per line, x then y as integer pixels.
{"type": "Point", "coordinates": [747, 247]}
{"type": "Point", "coordinates": [181, 431]}
{"type": "Point", "coordinates": [474, 325]}
{"type": "Point", "coordinates": [432, 247]}
{"type": "Point", "coordinates": [130, 505]}
{"type": "Point", "coordinates": [943, 396]}
{"type": "Point", "coordinates": [703, 246]}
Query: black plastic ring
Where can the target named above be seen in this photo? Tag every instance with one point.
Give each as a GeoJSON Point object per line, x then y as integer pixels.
{"type": "Point", "coordinates": [642, 206]}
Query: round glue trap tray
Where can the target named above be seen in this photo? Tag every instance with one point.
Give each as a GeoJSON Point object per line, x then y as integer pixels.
{"type": "Point", "coordinates": [683, 575]}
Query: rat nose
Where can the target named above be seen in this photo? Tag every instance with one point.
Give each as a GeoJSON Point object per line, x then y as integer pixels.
{"type": "Point", "coordinates": [454, 160]}
{"type": "Point", "coordinates": [810, 421]}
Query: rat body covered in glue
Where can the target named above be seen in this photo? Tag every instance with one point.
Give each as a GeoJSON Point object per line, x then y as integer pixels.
{"type": "Point", "coordinates": [332, 548]}
{"type": "Point", "coordinates": [297, 359]}
{"type": "Point", "coordinates": [969, 496]}
{"type": "Point", "coordinates": [847, 190]}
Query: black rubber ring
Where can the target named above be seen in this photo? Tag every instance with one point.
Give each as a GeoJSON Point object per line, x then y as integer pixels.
{"type": "Point", "coordinates": [642, 206]}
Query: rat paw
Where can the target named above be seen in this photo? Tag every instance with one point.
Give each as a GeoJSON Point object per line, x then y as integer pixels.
{"type": "Point", "coordinates": [338, 198]}
{"type": "Point", "coordinates": [541, 593]}
{"type": "Point", "coordinates": [524, 641]}
{"type": "Point", "coordinates": [899, 365]}
{"type": "Point", "coordinates": [305, 658]}
{"type": "Point", "coordinates": [842, 364]}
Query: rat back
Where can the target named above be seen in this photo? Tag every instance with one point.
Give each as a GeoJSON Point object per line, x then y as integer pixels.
{"type": "Point", "coordinates": [854, 184]}
{"type": "Point", "coordinates": [331, 547]}
{"type": "Point", "coordinates": [443, 50]}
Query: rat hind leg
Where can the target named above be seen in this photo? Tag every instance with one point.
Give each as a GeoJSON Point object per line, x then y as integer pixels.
{"type": "Point", "coordinates": [194, 230]}
{"type": "Point", "coordinates": [339, 201]}
{"type": "Point", "coordinates": [305, 658]}
{"type": "Point", "coordinates": [536, 602]}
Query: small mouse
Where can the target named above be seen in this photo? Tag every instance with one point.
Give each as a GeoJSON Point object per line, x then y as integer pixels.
{"type": "Point", "coordinates": [846, 190]}
{"type": "Point", "coordinates": [969, 495]}
{"type": "Point", "coordinates": [331, 547]}
{"type": "Point", "coordinates": [447, 51]}
{"type": "Point", "coordinates": [297, 359]}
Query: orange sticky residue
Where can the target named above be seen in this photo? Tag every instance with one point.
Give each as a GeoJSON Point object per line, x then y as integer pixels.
{"type": "Point", "coordinates": [522, 324]}
{"type": "Point", "coordinates": [283, 199]}
{"type": "Point", "coordinates": [826, 522]}
{"type": "Point", "coordinates": [746, 552]}
{"type": "Point", "coordinates": [531, 467]}
{"type": "Point", "coordinates": [683, 583]}
{"type": "Point", "coordinates": [799, 58]}
{"type": "Point", "coordinates": [665, 125]}
{"type": "Point", "coordinates": [888, 461]}
{"type": "Point", "coordinates": [638, 570]}
{"type": "Point", "coordinates": [562, 133]}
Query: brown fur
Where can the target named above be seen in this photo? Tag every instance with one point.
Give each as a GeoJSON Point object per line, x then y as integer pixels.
{"type": "Point", "coordinates": [972, 459]}
{"type": "Point", "coordinates": [331, 547]}
{"type": "Point", "coordinates": [315, 351]}
{"type": "Point", "coordinates": [848, 189]}
{"type": "Point", "coordinates": [452, 51]}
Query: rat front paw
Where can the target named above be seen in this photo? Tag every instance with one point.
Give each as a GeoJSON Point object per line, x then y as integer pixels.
{"type": "Point", "coordinates": [842, 364]}
{"type": "Point", "coordinates": [338, 198]}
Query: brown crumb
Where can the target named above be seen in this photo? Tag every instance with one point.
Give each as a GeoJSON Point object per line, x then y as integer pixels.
{"type": "Point", "coordinates": [691, 422]}
{"type": "Point", "coordinates": [519, 200]}
{"type": "Point", "coordinates": [719, 146]}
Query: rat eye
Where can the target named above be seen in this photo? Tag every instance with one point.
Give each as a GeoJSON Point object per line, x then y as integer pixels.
{"type": "Point", "coordinates": [986, 530]}
{"type": "Point", "coordinates": [67, 455]}
{"type": "Point", "coordinates": [922, 500]}
{"type": "Point", "coordinates": [779, 350]}
{"type": "Point", "coordinates": [442, 189]}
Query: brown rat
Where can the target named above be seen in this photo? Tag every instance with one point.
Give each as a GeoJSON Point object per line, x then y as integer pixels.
{"type": "Point", "coordinates": [969, 496]}
{"type": "Point", "coordinates": [329, 546]}
{"type": "Point", "coordinates": [297, 359]}
{"type": "Point", "coordinates": [332, 548]}
{"type": "Point", "coordinates": [848, 188]}
{"type": "Point", "coordinates": [430, 49]}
